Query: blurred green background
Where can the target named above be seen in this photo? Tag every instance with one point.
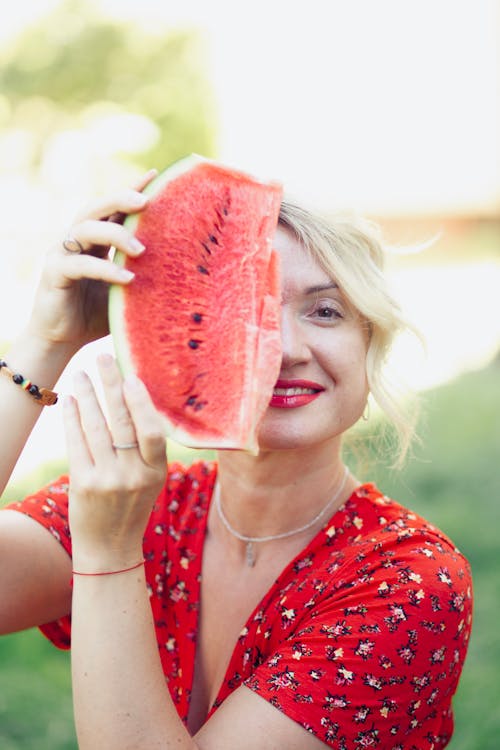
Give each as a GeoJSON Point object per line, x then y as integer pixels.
{"type": "Point", "coordinates": [90, 97]}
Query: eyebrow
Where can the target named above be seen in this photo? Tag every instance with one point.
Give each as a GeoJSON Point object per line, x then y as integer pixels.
{"type": "Point", "coordinates": [309, 290]}
{"type": "Point", "coordinates": [320, 288]}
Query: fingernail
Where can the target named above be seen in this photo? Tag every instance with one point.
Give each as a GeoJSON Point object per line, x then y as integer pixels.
{"type": "Point", "coordinates": [136, 246]}
{"type": "Point", "coordinates": [125, 274]}
{"type": "Point", "coordinates": [139, 200]}
{"type": "Point", "coordinates": [69, 403]}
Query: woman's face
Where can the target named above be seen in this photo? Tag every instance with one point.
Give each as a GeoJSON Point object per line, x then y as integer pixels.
{"type": "Point", "coordinates": [322, 387]}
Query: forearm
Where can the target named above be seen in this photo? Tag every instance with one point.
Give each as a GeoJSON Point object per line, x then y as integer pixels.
{"type": "Point", "coordinates": [42, 364]}
{"type": "Point", "coordinates": [121, 699]}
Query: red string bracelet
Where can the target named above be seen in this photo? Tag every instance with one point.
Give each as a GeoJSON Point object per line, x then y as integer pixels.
{"type": "Point", "coordinates": [110, 572]}
{"type": "Point", "coordinates": [42, 396]}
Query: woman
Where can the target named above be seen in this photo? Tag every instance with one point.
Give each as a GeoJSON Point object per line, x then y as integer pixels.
{"type": "Point", "coordinates": [273, 601]}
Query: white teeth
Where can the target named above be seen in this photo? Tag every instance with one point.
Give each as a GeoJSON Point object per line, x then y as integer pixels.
{"type": "Point", "coordinates": [292, 391]}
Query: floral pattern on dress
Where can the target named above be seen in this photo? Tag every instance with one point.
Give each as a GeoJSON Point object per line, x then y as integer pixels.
{"type": "Point", "coordinates": [361, 639]}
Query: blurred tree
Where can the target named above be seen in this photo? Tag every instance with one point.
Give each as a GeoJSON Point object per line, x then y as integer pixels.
{"type": "Point", "coordinates": [74, 65]}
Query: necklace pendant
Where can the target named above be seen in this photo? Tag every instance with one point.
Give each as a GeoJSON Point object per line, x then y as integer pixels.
{"type": "Point", "coordinates": [250, 555]}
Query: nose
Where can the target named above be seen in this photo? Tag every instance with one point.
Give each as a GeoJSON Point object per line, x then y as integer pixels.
{"type": "Point", "coordinates": [295, 349]}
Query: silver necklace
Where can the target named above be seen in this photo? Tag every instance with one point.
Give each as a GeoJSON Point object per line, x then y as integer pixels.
{"type": "Point", "coordinates": [251, 540]}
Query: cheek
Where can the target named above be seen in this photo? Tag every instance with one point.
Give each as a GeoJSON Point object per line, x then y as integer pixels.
{"type": "Point", "coordinates": [346, 360]}
{"type": "Point", "coordinates": [355, 381]}
{"type": "Point", "coordinates": [358, 364]}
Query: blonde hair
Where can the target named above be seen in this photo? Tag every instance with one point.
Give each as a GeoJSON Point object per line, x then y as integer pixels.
{"type": "Point", "coordinates": [350, 250]}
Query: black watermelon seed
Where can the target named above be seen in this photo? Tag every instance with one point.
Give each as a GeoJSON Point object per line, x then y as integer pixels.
{"type": "Point", "coordinates": [194, 343]}
{"type": "Point", "coordinates": [197, 317]}
{"type": "Point", "coordinates": [202, 269]}
{"type": "Point", "coordinates": [205, 246]}
{"type": "Point", "coordinates": [213, 239]}
{"type": "Point", "coordinates": [191, 401]}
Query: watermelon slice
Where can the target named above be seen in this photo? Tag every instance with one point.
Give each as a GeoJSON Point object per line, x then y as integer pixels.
{"type": "Point", "coordinates": [200, 322]}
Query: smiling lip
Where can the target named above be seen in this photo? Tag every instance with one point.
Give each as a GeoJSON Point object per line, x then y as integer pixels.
{"type": "Point", "coordinates": [290, 394]}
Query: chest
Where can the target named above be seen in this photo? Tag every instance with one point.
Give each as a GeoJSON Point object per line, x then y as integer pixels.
{"type": "Point", "coordinates": [228, 596]}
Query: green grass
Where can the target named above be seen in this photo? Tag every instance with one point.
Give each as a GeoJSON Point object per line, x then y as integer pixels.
{"type": "Point", "coordinates": [35, 695]}
{"type": "Point", "coordinates": [453, 480]}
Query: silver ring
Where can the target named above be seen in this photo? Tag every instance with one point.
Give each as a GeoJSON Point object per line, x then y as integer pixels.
{"type": "Point", "coordinates": [125, 446]}
{"type": "Point", "coordinates": [73, 246]}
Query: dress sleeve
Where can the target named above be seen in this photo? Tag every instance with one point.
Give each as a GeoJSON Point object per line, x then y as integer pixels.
{"type": "Point", "coordinates": [376, 662]}
{"type": "Point", "coordinates": [183, 498]}
{"type": "Point", "coordinates": [49, 507]}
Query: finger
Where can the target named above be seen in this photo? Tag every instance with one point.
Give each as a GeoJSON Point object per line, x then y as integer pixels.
{"type": "Point", "coordinates": [120, 422]}
{"type": "Point", "coordinates": [92, 419]}
{"type": "Point", "coordinates": [78, 452]}
{"type": "Point", "coordinates": [148, 425]}
{"type": "Point", "coordinates": [144, 180]}
{"type": "Point", "coordinates": [92, 233]}
{"type": "Point", "coordinates": [119, 216]}
{"type": "Point", "coordinates": [76, 267]}
{"type": "Point", "coordinates": [124, 202]}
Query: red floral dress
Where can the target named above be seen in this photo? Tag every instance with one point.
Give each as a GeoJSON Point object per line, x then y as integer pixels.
{"type": "Point", "coordinates": [361, 639]}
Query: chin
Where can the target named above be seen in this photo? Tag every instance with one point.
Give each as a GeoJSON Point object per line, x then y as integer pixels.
{"type": "Point", "coordinates": [274, 438]}
{"type": "Point", "coordinates": [278, 434]}
{"type": "Point", "coordinates": [283, 443]}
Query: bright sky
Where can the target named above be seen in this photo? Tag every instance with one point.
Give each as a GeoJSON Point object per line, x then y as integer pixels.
{"type": "Point", "coordinates": [384, 106]}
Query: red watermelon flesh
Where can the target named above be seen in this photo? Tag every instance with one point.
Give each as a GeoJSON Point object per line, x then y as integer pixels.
{"type": "Point", "coordinates": [199, 324]}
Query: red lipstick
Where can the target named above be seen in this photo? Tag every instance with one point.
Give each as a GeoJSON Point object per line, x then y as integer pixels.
{"type": "Point", "coordinates": [290, 394]}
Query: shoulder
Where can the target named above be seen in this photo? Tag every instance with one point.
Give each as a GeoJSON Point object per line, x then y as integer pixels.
{"type": "Point", "coordinates": [49, 507]}
{"type": "Point", "coordinates": [376, 629]}
{"type": "Point", "coordinates": [377, 569]}
{"type": "Point", "coordinates": [374, 555]}
{"type": "Point", "coordinates": [400, 588]}
{"type": "Point", "coordinates": [373, 521]}
{"type": "Point", "coordinates": [387, 548]}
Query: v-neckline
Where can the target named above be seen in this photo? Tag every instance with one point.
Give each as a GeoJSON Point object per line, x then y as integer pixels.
{"type": "Point", "coordinates": [260, 605]}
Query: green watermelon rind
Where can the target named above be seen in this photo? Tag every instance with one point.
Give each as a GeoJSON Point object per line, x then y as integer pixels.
{"type": "Point", "coordinates": [116, 310]}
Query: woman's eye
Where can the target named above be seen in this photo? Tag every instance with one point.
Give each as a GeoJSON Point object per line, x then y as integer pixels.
{"type": "Point", "coordinates": [327, 312]}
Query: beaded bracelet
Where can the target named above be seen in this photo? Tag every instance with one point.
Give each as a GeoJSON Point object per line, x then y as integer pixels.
{"type": "Point", "coordinates": [42, 396]}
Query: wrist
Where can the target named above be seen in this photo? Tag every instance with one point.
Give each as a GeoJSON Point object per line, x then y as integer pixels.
{"type": "Point", "coordinates": [38, 359]}
{"type": "Point", "coordinates": [105, 561]}
{"type": "Point", "coordinates": [113, 572]}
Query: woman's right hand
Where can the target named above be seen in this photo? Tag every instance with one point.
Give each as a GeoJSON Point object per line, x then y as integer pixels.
{"type": "Point", "coordinates": [70, 307]}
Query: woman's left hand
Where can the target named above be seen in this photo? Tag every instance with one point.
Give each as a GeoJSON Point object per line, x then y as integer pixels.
{"type": "Point", "coordinates": [112, 489]}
